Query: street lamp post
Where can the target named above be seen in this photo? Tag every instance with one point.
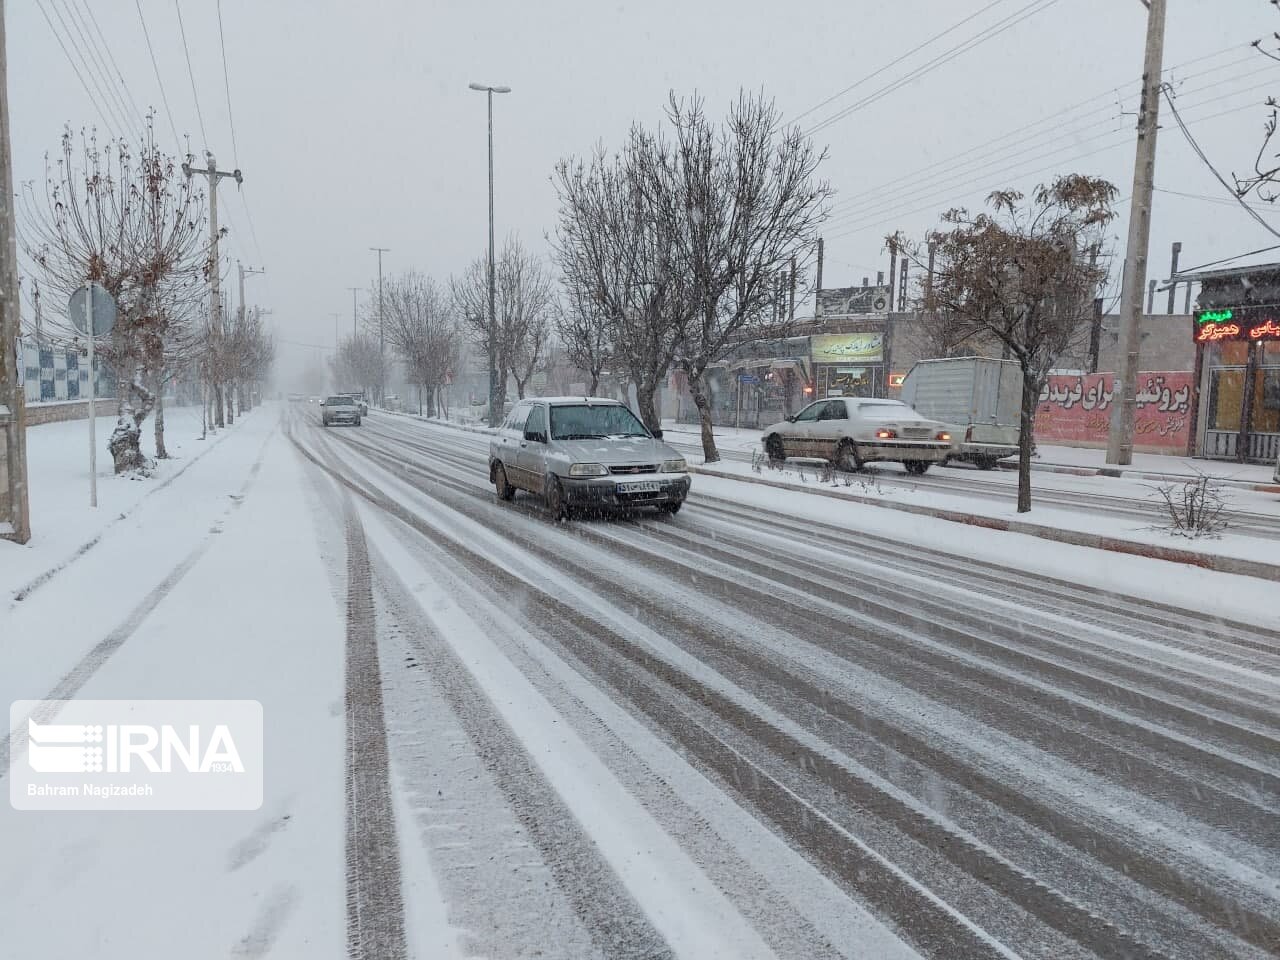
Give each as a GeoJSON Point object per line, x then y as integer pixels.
{"type": "Point", "coordinates": [382, 360]}
{"type": "Point", "coordinates": [489, 91]}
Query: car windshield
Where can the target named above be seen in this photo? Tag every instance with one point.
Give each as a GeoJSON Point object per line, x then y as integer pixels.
{"type": "Point", "coordinates": [582, 421]}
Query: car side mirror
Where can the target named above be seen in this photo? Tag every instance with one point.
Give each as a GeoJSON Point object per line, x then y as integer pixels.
{"type": "Point", "coordinates": [791, 419]}
{"type": "Point", "coordinates": [657, 434]}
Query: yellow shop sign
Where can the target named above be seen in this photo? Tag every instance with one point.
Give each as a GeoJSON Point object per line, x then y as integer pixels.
{"type": "Point", "coordinates": [842, 347]}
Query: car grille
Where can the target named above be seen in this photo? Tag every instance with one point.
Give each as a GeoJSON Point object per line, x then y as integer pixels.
{"type": "Point", "coordinates": [635, 468]}
{"type": "Point", "coordinates": [916, 433]}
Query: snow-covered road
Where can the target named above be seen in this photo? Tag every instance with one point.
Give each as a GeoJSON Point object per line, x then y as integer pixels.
{"type": "Point", "coordinates": [740, 733]}
{"type": "Point", "coordinates": [772, 726]}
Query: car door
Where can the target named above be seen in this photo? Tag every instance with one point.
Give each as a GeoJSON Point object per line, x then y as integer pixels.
{"type": "Point", "coordinates": [797, 437]}
{"type": "Point", "coordinates": [830, 427]}
{"type": "Point", "coordinates": [532, 457]}
{"type": "Point", "coordinates": [508, 439]}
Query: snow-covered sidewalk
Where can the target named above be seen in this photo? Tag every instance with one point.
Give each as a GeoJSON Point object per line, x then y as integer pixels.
{"type": "Point", "coordinates": [214, 589]}
{"type": "Point", "coordinates": [62, 522]}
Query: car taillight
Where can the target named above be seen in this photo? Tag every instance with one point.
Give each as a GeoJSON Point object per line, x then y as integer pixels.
{"type": "Point", "coordinates": [886, 434]}
{"type": "Point", "coordinates": [944, 436]}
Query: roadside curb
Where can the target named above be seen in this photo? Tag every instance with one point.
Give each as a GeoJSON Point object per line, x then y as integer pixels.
{"type": "Point", "coordinates": [1207, 561]}
{"type": "Point", "coordinates": [452, 424]}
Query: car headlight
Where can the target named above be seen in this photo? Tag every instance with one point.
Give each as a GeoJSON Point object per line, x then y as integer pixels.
{"type": "Point", "coordinates": [673, 466]}
{"type": "Point", "coordinates": [588, 470]}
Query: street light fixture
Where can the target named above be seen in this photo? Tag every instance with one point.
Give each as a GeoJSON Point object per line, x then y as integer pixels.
{"type": "Point", "coordinates": [494, 414]}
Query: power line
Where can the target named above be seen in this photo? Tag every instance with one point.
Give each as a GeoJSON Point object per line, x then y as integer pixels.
{"type": "Point", "coordinates": [164, 97]}
{"type": "Point", "coordinates": [191, 73]}
{"type": "Point", "coordinates": [1238, 256]}
{"type": "Point", "coordinates": [1028, 173]}
{"type": "Point", "coordinates": [985, 146]}
{"type": "Point", "coordinates": [226, 79]}
{"type": "Point", "coordinates": [97, 60]}
{"type": "Point", "coordinates": [102, 114]}
{"type": "Point", "coordinates": [107, 47]}
{"type": "Point", "coordinates": [1212, 169]}
{"type": "Point", "coordinates": [872, 206]}
{"type": "Point", "coordinates": [894, 63]}
{"type": "Point", "coordinates": [989, 33]}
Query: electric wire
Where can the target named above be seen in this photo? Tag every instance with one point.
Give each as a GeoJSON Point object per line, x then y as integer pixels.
{"type": "Point", "coordinates": [191, 72]}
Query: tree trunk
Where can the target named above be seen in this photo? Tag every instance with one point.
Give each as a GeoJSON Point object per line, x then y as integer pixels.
{"type": "Point", "coordinates": [161, 452]}
{"type": "Point", "coordinates": [1026, 437]}
{"type": "Point", "coordinates": [218, 419]}
{"type": "Point", "coordinates": [231, 404]}
{"type": "Point", "coordinates": [595, 383]}
{"type": "Point", "coordinates": [644, 400]}
{"type": "Point", "coordinates": [698, 387]}
{"type": "Point", "coordinates": [125, 443]}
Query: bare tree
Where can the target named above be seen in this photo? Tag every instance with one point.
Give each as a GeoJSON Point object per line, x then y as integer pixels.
{"type": "Point", "coordinates": [522, 302]}
{"type": "Point", "coordinates": [356, 363]}
{"type": "Point", "coordinates": [584, 332]}
{"type": "Point", "coordinates": [125, 217]}
{"type": "Point", "coordinates": [620, 260]}
{"type": "Point", "coordinates": [422, 327]}
{"type": "Point", "coordinates": [1022, 275]}
{"type": "Point", "coordinates": [531, 352]}
{"type": "Point", "coordinates": [1266, 164]}
{"type": "Point", "coordinates": [743, 207]}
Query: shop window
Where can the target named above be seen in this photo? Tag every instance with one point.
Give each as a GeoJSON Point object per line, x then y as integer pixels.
{"type": "Point", "coordinates": [1226, 392]}
{"type": "Point", "coordinates": [1266, 401]}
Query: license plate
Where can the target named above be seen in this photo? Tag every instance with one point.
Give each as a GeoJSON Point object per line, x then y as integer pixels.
{"type": "Point", "coordinates": [640, 486]}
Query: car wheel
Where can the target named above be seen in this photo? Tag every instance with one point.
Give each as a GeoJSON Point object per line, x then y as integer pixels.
{"type": "Point", "coordinates": [846, 457]}
{"type": "Point", "coordinates": [556, 506]}
{"type": "Point", "coordinates": [357, 421]}
{"type": "Point", "coordinates": [916, 467]}
{"type": "Point", "coordinates": [773, 449]}
{"type": "Point", "coordinates": [673, 507]}
{"type": "Point", "coordinates": [986, 463]}
{"type": "Point", "coordinates": [501, 485]}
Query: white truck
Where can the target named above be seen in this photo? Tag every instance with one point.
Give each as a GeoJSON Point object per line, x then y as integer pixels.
{"type": "Point", "coordinates": [978, 399]}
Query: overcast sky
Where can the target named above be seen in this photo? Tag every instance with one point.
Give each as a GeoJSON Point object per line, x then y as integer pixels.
{"type": "Point", "coordinates": [354, 126]}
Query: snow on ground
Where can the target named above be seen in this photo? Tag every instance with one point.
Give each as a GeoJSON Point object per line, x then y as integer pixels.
{"type": "Point", "coordinates": [1217, 594]}
{"type": "Point", "coordinates": [58, 487]}
{"type": "Point", "coordinates": [252, 618]}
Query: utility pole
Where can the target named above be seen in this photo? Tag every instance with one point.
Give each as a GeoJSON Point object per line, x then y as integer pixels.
{"type": "Point", "coordinates": [13, 416]}
{"type": "Point", "coordinates": [245, 272]}
{"type": "Point", "coordinates": [354, 291]}
{"type": "Point", "coordinates": [215, 269]}
{"type": "Point", "coordinates": [1120, 441]}
{"type": "Point", "coordinates": [817, 287]}
{"type": "Point", "coordinates": [382, 360]}
{"type": "Point", "coordinates": [1173, 276]}
{"type": "Point", "coordinates": [494, 415]}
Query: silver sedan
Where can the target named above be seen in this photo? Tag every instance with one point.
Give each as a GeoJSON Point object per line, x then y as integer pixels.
{"type": "Point", "coordinates": [585, 453]}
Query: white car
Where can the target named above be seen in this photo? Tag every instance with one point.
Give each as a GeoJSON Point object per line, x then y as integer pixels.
{"type": "Point", "coordinates": [852, 431]}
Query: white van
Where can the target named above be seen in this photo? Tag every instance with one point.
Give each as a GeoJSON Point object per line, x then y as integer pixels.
{"type": "Point", "coordinates": [979, 400]}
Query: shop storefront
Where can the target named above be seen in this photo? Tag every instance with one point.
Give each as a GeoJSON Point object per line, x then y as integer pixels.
{"type": "Point", "coordinates": [1239, 355]}
{"type": "Point", "coordinates": [848, 364]}
{"type": "Point", "coordinates": [1236, 331]}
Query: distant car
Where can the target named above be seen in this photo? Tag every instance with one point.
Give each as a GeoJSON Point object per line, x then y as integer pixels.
{"type": "Point", "coordinates": [339, 410]}
{"type": "Point", "coordinates": [851, 431]}
{"type": "Point", "coordinates": [314, 400]}
{"type": "Point", "coordinates": [585, 452]}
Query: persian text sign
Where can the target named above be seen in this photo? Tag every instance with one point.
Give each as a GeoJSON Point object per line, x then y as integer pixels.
{"type": "Point", "coordinates": [845, 347]}
{"type": "Point", "coordinates": [1077, 410]}
{"type": "Point", "coordinates": [1249, 323]}
{"type": "Point", "coordinates": [135, 755]}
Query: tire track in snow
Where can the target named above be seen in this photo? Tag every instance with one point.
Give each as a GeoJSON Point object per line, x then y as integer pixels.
{"type": "Point", "coordinates": [375, 908]}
